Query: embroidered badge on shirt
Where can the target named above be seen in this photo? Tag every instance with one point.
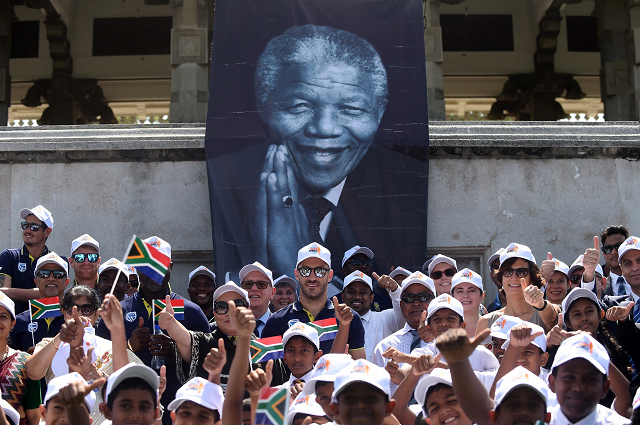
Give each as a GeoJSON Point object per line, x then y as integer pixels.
{"type": "Point", "coordinates": [131, 316]}
{"type": "Point", "coordinates": [22, 267]}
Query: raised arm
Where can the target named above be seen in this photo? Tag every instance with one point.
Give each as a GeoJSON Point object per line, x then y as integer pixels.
{"type": "Point", "coordinates": [422, 366]}
{"type": "Point", "coordinates": [38, 363]}
{"type": "Point", "coordinates": [111, 313]}
{"type": "Point", "coordinates": [175, 330]}
{"type": "Point", "coordinates": [344, 316]}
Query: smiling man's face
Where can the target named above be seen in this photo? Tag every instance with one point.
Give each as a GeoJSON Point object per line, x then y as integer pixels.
{"type": "Point", "coordinates": [327, 115]}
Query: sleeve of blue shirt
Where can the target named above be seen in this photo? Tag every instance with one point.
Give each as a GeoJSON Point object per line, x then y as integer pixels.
{"type": "Point", "coordinates": [6, 263]}
{"type": "Point", "coordinates": [356, 333]}
{"type": "Point", "coordinates": [194, 318]}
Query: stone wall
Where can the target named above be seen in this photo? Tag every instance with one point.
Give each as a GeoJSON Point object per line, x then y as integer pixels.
{"type": "Point", "coordinates": [552, 186]}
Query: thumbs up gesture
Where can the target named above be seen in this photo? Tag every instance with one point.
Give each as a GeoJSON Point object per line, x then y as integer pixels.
{"type": "Point", "coordinates": [215, 361]}
{"type": "Point", "coordinates": [259, 379]}
{"type": "Point", "coordinates": [532, 294]}
{"type": "Point", "coordinates": [140, 337]}
{"type": "Point", "coordinates": [423, 331]}
{"type": "Point", "coordinates": [386, 282]}
{"type": "Point", "coordinates": [547, 267]}
{"type": "Point", "coordinates": [456, 346]}
{"type": "Point", "coordinates": [619, 313]}
{"type": "Point", "coordinates": [166, 318]}
{"type": "Point", "coordinates": [343, 313]}
{"type": "Point", "coordinates": [590, 260]}
{"type": "Point", "coordinates": [521, 335]}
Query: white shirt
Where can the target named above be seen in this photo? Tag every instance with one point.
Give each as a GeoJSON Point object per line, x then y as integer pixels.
{"type": "Point", "coordinates": [401, 341]}
{"type": "Point", "coordinates": [600, 416]}
{"type": "Point", "coordinates": [482, 360]}
{"type": "Point", "coordinates": [380, 324]}
{"type": "Point", "coordinates": [614, 284]}
{"type": "Point", "coordinates": [306, 378]}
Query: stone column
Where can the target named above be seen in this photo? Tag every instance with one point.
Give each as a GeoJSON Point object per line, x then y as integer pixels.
{"type": "Point", "coordinates": [619, 35]}
{"type": "Point", "coordinates": [6, 12]}
{"type": "Point", "coordinates": [433, 57]}
{"type": "Point", "coordinates": [189, 61]}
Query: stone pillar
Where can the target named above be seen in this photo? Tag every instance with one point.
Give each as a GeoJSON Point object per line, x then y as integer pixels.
{"type": "Point", "coordinates": [189, 61]}
{"type": "Point", "coordinates": [6, 13]}
{"type": "Point", "coordinates": [433, 56]}
{"type": "Point", "coordinates": [619, 35]}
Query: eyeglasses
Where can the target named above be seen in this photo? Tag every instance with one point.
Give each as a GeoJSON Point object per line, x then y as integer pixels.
{"type": "Point", "coordinates": [84, 309]}
{"type": "Point", "coordinates": [246, 285]}
{"type": "Point", "coordinates": [576, 278]}
{"type": "Point", "coordinates": [521, 272]}
{"type": "Point", "coordinates": [44, 274]}
{"type": "Point", "coordinates": [607, 249]}
{"type": "Point", "coordinates": [423, 298]}
{"type": "Point", "coordinates": [222, 307]}
{"type": "Point", "coordinates": [318, 271]}
{"type": "Point", "coordinates": [359, 262]}
{"type": "Point", "coordinates": [79, 258]}
{"type": "Point", "coordinates": [438, 274]}
{"type": "Point", "coordinates": [33, 226]}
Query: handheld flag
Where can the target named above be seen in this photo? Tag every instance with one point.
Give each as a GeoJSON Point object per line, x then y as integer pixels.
{"type": "Point", "coordinates": [44, 308]}
{"type": "Point", "coordinates": [178, 308]}
{"type": "Point", "coordinates": [273, 406]}
{"type": "Point", "coordinates": [148, 260]}
{"type": "Point", "coordinates": [265, 349]}
{"type": "Point", "coordinates": [327, 328]}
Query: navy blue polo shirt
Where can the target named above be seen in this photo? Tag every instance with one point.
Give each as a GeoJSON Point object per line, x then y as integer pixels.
{"type": "Point", "coordinates": [20, 337]}
{"type": "Point", "coordinates": [284, 318]}
{"type": "Point", "coordinates": [133, 308]}
{"type": "Point", "coordinates": [18, 264]}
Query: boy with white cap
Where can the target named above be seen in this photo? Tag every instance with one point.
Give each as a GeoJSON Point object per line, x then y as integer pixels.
{"type": "Point", "coordinates": [360, 259]}
{"type": "Point", "coordinates": [303, 406]}
{"type": "Point", "coordinates": [131, 395]}
{"type": "Point", "coordinates": [198, 402]}
{"type": "Point", "coordinates": [441, 270]}
{"type": "Point", "coordinates": [51, 278]}
{"type": "Point", "coordinates": [202, 284]}
{"type": "Point", "coordinates": [301, 352]}
{"type": "Point", "coordinates": [107, 275]}
{"type": "Point", "coordinates": [500, 332]}
{"type": "Point", "coordinates": [85, 260]}
{"type": "Point", "coordinates": [323, 377]}
{"type": "Point", "coordinates": [17, 265]}
{"type": "Point", "coordinates": [69, 399]}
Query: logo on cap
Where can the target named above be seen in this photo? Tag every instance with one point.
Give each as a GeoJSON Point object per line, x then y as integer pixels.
{"type": "Point", "coordinates": [361, 369]}
{"type": "Point", "coordinates": [502, 322]}
{"type": "Point", "coordinates": [512, 248]}
{"type": "Point", "coordinates": [298, 327]}
{"type": "Point", "coordinates": [359, 274]}
{"type": "Point", "coordinates": [324, 365]}
{"type": "Point", "coordinates": [304, 400]}
{"type": "Point", "coordinates": [196, 386]}
{"type": "Point", "coordinates": [467, 274]}
{"type": "Point", "coordinates": [314, 248]}
{"type": "Point", "coordinates": [586, 346]}
{"type": "Point", "coordinates": [446, 299]}
{"type": "Point", "coordinates": [557, 263]}
{"type": "Point", "coordinates": [524, 376]}
{"type": "Point", "coordinates": [632, 241]}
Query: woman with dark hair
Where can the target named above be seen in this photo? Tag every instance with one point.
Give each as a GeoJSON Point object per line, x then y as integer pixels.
{"type": "Point", "coordinates": [521, 281]}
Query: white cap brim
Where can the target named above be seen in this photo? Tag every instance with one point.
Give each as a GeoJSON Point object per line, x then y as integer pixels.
{"type": "Point", "coordinates": [576, 294]}
{"type": "Point", "coordinates": [231, 287]}
{"type": "Point", "coordinates": [362, 250]}
{"type": "Point", "coordinates": [132, 370]}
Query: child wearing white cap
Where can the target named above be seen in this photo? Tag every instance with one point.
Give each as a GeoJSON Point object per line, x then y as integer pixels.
{"type": "Point", "coordinates": [131, 395]}
{"type": "Point", "coordinates": [323, 377]}
{"type": "Point", "coordinates": [69, 398]}
{"type": "Point", "coordinates": [198, 401]}
{"type": "Point", "coordinates": [303, 406]}
{"type": "Point", "coordinates": [301, 352]}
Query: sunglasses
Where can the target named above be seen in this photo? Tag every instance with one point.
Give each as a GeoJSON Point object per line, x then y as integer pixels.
{"type": "Point", "coordinates": [438, 274]}
{"type": "Point", "coordinates": [318, 271]}
{"type": "Point", "coordinates": [44, 274]}
{"type": "Point", "coordinates": [79, 258]}
{"type": "Point", "coordinates": [423, 298]}
{"type": "Point", "coordinates": [84, 309]}
{"type": "Point", "coordinates": [576, 278]}
{"type": "Point", "coordinates": [521, 272]}
{"type": "Point", "coordinates": [222, 307]}
{"type": "Point", "coordinates": [607, 249]}
{"type": "Point", "coordinates": [359, 262]}
{"type": "Point", "coordinates": [33, 226]}
{"type": "Point", "coordinates": [248, 285]}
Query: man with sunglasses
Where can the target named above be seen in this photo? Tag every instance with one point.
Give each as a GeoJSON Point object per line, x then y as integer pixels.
{"type": "Point", "coordinates": [612, 237]}
{"type": "Point", "coordinates": [313, 272]}
{"type": "Point", "coordinates": [257, 280]}
{"type": "Point", "coordinates": [17, 265]}
{"type": "Point", "coordinates": [51, 278]}
{"type": "Point", "coordinates": [85, 261]}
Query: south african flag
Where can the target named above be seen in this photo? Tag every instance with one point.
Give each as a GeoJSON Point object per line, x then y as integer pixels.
{"type": "Point", "coordinates": [327, 328]}
{"type": "Point", "coordinates": [178, 308]}
{"type": "Point", "coordinates": [273, 406]}
{"type": "Point", "coordinates": [44, 308]}
{"type": "Point", "coordinates": [147, 260]}
{"type": "Point", "coordinates": [265, 349]}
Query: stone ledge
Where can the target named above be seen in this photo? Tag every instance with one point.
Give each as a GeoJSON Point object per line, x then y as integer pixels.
{"type": "Point", "coordinates": [185, 142]}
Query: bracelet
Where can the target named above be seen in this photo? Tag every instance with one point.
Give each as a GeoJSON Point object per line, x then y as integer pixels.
{"type": "Point", "coordinates": [54, 343]}
{"type": "Point", "coordinates": [129, 345]}
{"type": "Point", "coordinates": [543, 307]}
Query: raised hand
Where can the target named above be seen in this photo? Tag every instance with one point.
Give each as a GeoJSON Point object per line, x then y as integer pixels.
{"type": "Point", "coordinates": [160, 345]}
{"type": "Point", "coordinates": [455, 345]}
{"type": "Point", "coordinates": [547, 267]}
{"type": "Point", "coordinates": [72, 330]}
{"type": "Point", "coordinates": [75, 392]}
{"type": "Point", "coordinates": [619, 313]}
{"type": "Point", "coordinates": [386, 282]}
{"type": "Point", "coordinates": [425, 364]}
{"type": "Point", "coordinates": [295, 390]}
{"type": "Point", "coordinates": [397, 355]}
{"type": "Point", "coordinates": [343, 313]}
{"type": "Point", "coordinates": [140, 337]}
{"type": "Point", "coordinates": [590, 260]}
{"type": "Point", "coordinates": [532, 294]}
{"type": "Point", "coordinates": [259, 379]}
{"type": "Point", "coordinates": [393, 368]}
{"type": "Point", "coordinates": [242, 320]}
{"type": "Point", "coordinates": [166, 318]}
{"type": "Point", "coordinates": [215, 360]}
{"type": "Point", "coordinates": [423, 332]}
{"type": "Point", "coordinates": [111, 313]}
{"type": "Point", "coordinates": [163, 381]}
{"type": "Point", "coordinates": [521, 335]}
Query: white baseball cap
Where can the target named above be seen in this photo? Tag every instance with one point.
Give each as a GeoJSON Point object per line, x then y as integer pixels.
{"type": "Point", "coordinates": [578, 293]}
{"type": "Point", "coordinates": [59, 382]}
{"type": "Point", "coordinates": [10, 412]}
{"type": "Point", "coordinates": [437, 376]}
{"type": "Point", "coordinates": [159, 244]}
{"type": "Point", "coordinates": [467, 275]}
{"type": "Point", "coordinates": [231, 287]}
{"type": "Point", "coordinates": [361, 371]}
{"type": "Point", "coordinates": [202, 270]}
{"type": "Point", "coordinates": [442, 259]}
{"type": "Point", "coordinates": [132, 270]}
{"type": "Point", "coordinates": [519, 377]}
{"type": "Point", "coordinates": [496, 255]}
{"type": "Point", "coordinates": [576, 265]}
{"type": "Point", "coordinates": [357, 276]}
{"type": "Point", "coordinates": [632, 242]}
{"type": "Point", "coordinates": [445, 301]}
{"type": "Point", "coordinates": [582, 346]}
{"type": "Point", "coordinates": [399, 270]}
{"type": "Point", "coordinates": [300, 329]}
{"type": "Point", "coordinates": [540, 341]}
{"type": "Point", "coordinates": [357, 250]}
{"type": "Point", "coordinates": [132, 370]}
{"type": "Point", "coordinates": [502, 326]}
{"type": "Point", "coordinates": [115, 264]}
{"type": "Point", "coordinates": [41, 212]}
{"type": "Point", "coordinates": [327, 369]}
{"type": "Point", "coordinates": [85, 239]}
{"type": "Point", "coordinates": [516, 250]}
{"type": "Point", "coordinates": [51, 258]}
{"type": "Point", "coordinates": [305, 404]}
{"type": "Point", "coordinates": [420, 278]}
{"type": "Point", "coordinates": [256, 267]}
{"type": "Point", "coordinates": [561, 267]}
{"type": "Point", "coordinates": [288, 280]}
{"type": "Point", "coordinates": [314, 250]}
{"type": "Point", "coordinates": [59, 365]}
{"type": "Point", "coordinates": [199, 391]}
{"type": "Point", "coordinates": [8, 303]}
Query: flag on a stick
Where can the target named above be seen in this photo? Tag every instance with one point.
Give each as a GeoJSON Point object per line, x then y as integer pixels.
{"type": "Point", "coordinates": [273, 406]}
{"type": "Point", "coordinates": [265, 349]}
{"type": "Point", "coordinates": [148, 260]}
{"type": "Point", "coordinates": [178, 308]}
{"type": "Point", "coordinates": [327, 328]}
{"type": "Point", "coordinates": [45, 308]}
